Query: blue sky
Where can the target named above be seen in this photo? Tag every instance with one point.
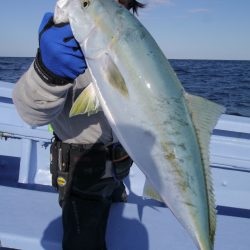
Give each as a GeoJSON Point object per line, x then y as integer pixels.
{"type": "Point", "coordinates": [188, 29]}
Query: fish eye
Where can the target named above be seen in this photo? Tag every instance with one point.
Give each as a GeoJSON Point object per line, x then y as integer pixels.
{"type": "Point", "coordinates": [85, 3]}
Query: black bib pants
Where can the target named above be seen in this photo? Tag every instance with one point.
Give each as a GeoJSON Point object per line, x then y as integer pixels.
{"type": "Point", "coordinates": [85, 197]}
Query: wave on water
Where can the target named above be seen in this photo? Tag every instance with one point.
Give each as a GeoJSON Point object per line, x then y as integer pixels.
{"type": "Point", "coordinates": [222, 81]}
{"type": "Point", "coordinates": [11, 68]}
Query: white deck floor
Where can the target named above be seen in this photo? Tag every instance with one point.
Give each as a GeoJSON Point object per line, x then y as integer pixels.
{"type": "Point", "coordinates": [30, 220]}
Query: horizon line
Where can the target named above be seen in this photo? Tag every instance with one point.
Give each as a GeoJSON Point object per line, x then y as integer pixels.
{"type": "Point", "coordinates": [207, 59]}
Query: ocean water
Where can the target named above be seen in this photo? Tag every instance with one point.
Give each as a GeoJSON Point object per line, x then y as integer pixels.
{"type": "Point", "coordinates": [225, 82]}
{"type": "Point", "coordinates": [11, 68]}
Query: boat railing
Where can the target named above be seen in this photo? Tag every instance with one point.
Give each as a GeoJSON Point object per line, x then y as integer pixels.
{"type": "Point", "coordinates": [31, 217]}
{"type": "Point", "coordinates": [229, 151]}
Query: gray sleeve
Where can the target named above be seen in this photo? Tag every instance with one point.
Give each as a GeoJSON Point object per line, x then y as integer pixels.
{"type": "Point", "coordinates": [37, 102]}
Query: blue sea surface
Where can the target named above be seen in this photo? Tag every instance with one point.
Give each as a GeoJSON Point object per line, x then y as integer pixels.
{"type": "Point", "coordinates": [225, 82]}
{"type": "Point", "coordinates": [11, 68]}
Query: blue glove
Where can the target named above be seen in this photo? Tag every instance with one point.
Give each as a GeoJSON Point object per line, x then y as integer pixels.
{"type": "Point", "coordinates": [60, 59]}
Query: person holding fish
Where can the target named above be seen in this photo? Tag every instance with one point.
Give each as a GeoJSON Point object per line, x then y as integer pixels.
{"type": "Point", "coordinates": [88, 164]}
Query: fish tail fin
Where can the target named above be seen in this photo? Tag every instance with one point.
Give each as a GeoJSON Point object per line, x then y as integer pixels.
{"type": "Point", "coordinates": [205, 115]}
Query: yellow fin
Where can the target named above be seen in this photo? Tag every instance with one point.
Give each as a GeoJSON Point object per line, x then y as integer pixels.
{"type": "Point", "coordinates": [205, 114]}
{"type": "Point", "coordinates": [149, 191]}
{"type": "Point", "coordinates": [114, 76]}
{"type": "Point", "coordinates": [86, 103]}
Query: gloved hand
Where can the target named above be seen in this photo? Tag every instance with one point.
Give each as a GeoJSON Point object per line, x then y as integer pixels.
{"type": "Point", "coordinates": [60, 59]}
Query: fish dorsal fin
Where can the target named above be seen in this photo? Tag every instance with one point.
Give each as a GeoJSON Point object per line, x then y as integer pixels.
{"type": "Point", "coordinates": [86, 103]}
{"type": "Point", "coordinates": [205, 114]}
{"type": "Point", "coordinates": [114, 76]}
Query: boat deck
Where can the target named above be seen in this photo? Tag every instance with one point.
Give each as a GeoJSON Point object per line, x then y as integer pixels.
{"type": "Point", "coordinates": [30, 217]}
{"type": "Point", "coordinates": [31, 220]}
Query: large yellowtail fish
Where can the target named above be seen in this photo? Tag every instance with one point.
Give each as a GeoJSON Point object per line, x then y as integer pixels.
{"type": "Point", "coordinates": [165, 130]}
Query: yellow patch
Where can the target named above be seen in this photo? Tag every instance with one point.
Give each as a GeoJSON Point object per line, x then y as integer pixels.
{"type": "Point", "coordinates": [171, 157]}
{"type": "Point", "coordinates": [61, 181]}
{"type": "Point", "coordinates": [115, 77]}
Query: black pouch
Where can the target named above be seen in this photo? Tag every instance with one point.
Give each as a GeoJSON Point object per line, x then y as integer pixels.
{"type": "Point", "coordinates": [121, 161]}
{"type": "Point", "coordinates": [89, 165]}
{"type": "Point", "coordinates": [64, 173]}
{"type": "Point", "coordinates": [54, 162]}
{"type": "Point", "coordinates": [59, 168]}
{"type": "Point", "coordinates": [63, 186]}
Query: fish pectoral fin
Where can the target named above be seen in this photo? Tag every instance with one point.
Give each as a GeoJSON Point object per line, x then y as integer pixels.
{"type": "Point", "coordinates": [205, 114]}
{"type": "Point", "coordinates": [86, 103]}
{"type": "Point", "coordinates": [149, 191]}
{"type": "Point", "coordinates": [114, 76]}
